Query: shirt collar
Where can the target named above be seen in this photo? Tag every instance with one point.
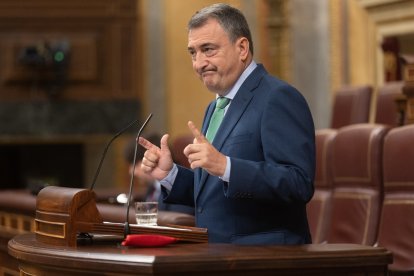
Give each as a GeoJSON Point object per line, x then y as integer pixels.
{"type": "Point", "coordinates": [233, 91]}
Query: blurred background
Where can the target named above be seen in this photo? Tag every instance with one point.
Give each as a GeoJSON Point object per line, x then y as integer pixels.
{"type": "Point", "coordinates": [73, 73]}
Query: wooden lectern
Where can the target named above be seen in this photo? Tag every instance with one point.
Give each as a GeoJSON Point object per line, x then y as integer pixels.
{"type": "Point", "coordinates": [64, 213]}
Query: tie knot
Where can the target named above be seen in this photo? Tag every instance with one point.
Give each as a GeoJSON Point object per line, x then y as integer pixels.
{"type": "Point", "coordinates": [222, 102]}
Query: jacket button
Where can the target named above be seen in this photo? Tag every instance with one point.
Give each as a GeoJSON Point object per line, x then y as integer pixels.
{"type": "Point", "coordinates": [199, 209]}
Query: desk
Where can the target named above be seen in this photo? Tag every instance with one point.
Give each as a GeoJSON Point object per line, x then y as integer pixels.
{"type": "Point", "coordinates": [110, 258]}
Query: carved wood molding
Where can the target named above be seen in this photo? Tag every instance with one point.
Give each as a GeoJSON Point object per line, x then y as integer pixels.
{"type": "Point", "coordinates": [392, 18]}
{"type": "Point", "coordinates": [389, 18]}
{"type": "Point", "coordinates": [378, 3]}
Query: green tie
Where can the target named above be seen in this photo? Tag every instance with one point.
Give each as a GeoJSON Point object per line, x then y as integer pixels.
{"type": "Point", "coordinates": [216, 118]}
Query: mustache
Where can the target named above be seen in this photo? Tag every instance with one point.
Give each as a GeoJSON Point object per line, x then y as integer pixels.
{"type": "Point", "coordinates": [206, 69]}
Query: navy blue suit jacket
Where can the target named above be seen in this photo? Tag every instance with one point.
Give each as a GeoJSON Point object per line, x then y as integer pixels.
{"type": "Point", "coordinates": [268, 133]}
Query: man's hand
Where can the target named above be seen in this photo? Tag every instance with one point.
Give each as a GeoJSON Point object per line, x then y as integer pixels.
{"type": "Point", "coordinates": [201, 154]}
{"type": "Point", "coordinates": [157, 162]}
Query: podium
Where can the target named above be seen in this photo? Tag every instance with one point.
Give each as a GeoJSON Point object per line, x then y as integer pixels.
{"type": "Point", "coordinates": [104, 257]}
{"type": "Point", "coordinates": [62, 214]}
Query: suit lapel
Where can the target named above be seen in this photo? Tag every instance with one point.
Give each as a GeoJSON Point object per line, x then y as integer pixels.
{"type": "Point", "coordinates": [200, 174]}
{"type": "Point", "coordinates": [207, 117]}
{"type": "Point", "coordinates": [233, 114]}
{"type": "Point", "coordinates": [236, 109]}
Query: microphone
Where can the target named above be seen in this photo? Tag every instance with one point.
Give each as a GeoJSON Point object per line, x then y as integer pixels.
{"type": "Point", "coordinates": [106, 149]}
{"type": "Point", "coordinates": [127, 229]}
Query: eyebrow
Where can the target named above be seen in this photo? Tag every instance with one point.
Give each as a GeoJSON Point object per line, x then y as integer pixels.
{"type": "Point", "coordinates": [208, 44]}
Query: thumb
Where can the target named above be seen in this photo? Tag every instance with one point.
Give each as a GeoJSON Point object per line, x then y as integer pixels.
{"type": "Point", "coordinates": [164, 143]}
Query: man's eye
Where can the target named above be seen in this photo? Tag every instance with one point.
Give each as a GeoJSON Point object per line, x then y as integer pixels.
{"type": "Point", "coordinates": [192, 54]}
{"type": "Point", "coordinates": [209, 52]}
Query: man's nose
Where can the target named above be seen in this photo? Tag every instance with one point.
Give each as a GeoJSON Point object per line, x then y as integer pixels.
{"type": "Point", "coordinates": [199, 61]}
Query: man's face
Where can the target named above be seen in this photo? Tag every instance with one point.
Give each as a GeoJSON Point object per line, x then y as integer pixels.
{"type": "Point", "coordinates": [216, 60]}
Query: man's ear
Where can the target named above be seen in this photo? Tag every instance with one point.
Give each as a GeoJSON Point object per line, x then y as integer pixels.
{"type": "Point", "coordinates": [244, 47]}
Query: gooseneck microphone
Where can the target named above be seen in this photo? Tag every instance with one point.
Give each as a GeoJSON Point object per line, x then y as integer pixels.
{"type": "Point", "coordinates": [127, 229]}
{"type": "Point", "coordinates": [106, 149]}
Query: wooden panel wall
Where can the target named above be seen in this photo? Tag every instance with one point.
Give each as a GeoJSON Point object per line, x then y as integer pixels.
{"type": "Point", "coordinates": [101, 34]}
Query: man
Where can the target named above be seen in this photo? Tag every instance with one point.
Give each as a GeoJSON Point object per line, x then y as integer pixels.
{"type": "Point", "coordinates": [250, 185]}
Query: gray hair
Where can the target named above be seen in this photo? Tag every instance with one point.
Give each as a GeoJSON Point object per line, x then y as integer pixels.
{"type": "Point", "coordinates": [230, 19]}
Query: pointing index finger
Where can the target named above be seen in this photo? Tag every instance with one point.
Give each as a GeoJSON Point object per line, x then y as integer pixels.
{"type": "Point", "coordinates": [196, 133]}
{"type": "Point", "coordinates": [145, 143]}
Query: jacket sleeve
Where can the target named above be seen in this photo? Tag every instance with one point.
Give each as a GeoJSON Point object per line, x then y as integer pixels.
{"type": "Point", "coordinates": [182, 191]}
